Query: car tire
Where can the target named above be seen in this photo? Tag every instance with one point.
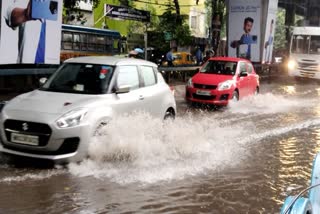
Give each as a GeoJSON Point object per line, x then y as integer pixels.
{"type": "Point", "coordinates": [99, 127]}
{"type": "Point", "coordinates": [235, 96]}
{"type": "Point", "coordinates": [169, 115]}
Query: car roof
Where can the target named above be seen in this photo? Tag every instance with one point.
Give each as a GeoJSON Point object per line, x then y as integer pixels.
{"type": "Point", "coordinates": [229, 59]}
{"type": "Point", "coordinates": [110, 60]}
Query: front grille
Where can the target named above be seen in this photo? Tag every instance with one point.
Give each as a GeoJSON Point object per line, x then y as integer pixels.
{"type": "Point", "coordinates": [43, 131]}
{"type": "Point", "coordinates": [69, 145]}
{"type": "Point", "coordinates": [308, 66]}
{"type": "Point", "coordinates": [202, 97]}
{"type": "Point", "coordinates": [307, 74]}
{"type": "Point", "coordinates": [201, 86]}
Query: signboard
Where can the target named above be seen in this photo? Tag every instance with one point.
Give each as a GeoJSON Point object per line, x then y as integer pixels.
{"type": "Point", "coordinates": [33, 35]}
{"type": "Point", "coordinates": [244, 29]}
{"type": "Point", "coordinates": [126, 13]}
{"type": "Point", "coordinates": [270, 29]}
{"type": "Point", "coordinates": [168, 36]}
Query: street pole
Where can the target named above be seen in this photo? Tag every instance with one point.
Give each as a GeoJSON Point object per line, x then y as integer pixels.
{"type": "Point", "coordinates": [212, 14]}
{"type": "Point", "coordinates": [146, 36]}
{"type": "Point", "coordinates": [146, 43]}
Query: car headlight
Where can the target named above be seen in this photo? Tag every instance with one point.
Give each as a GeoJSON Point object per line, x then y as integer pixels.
{"type": "Point", "coordinates": [225, 85]}
{"type": "Point", "coordinates": [292, 64]}
{"type": "Point", "coordinates": [72, 118]}
{"type": "Point", "coordinates": [190, 84]}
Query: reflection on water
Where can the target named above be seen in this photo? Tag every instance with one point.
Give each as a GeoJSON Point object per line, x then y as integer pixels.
{"type": "Point", "coordinates": [289, 89]}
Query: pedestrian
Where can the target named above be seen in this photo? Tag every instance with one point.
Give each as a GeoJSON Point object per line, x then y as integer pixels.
{"type": "Point", "coordinates": [199, 56]}
{"type": "Point", "coordinates": [169, 58]}
{"type": "Point", "coordinates": [209, 54]}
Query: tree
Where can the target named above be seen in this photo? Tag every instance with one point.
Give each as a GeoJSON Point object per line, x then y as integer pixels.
{"type": "Point", "coordinates": [71, 4]}
{"type": "Point", "coordinates": [280, 33]}
{"type": "Point", "coordinates": [178, 15]}
{"type": "Point", "coordinates": [71, 13]}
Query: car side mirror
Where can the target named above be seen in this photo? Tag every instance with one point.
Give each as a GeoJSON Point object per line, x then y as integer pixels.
{"type": "Point", "coordinates": [42, 81]}
{"type": "Point", "coordinates": [123, 89]}
{"type": "Point", "coordinates": [243, 74]}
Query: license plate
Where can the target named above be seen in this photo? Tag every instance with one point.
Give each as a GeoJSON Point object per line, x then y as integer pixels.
{"type": "Point", "coordinates": [25, 139]}
{"type": "Point", "coordinates": [204, 93]}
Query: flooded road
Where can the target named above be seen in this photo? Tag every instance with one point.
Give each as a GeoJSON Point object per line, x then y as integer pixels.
{"type": "Point", "coordinates": [241, 159]}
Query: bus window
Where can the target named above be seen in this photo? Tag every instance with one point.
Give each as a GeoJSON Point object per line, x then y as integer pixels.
{"type": "Point", "coordinates": [91, 42]}
{"type": "Point", "coordinates": [116, 45]}
{"type": "Point", "coordinates": [109, 44]}
{"type": "Point", "coordinates": [83, 41]}
{"type": "Point", "coordinates": [67, 41]}
{"type": "Point", "coordinates": [315, 45]}
{"type": "Point", "coordinates": [101, 40]}
{"type": "Point", "coordinates": [76, 41]}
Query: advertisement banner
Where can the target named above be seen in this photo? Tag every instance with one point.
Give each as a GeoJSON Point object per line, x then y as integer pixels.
{"type": "Point", "coordinates": [126, 13]}
{"type": "Point", "coordinates": [244, 29]}
{"type": "Point", "coordinates": [30, 31]}
{"type": "Point", "coordinates": [270, 29]}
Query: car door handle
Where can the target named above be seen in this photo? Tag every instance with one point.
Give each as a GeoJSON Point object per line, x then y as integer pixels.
{"type": "Point", "coordinates": [141, 97]}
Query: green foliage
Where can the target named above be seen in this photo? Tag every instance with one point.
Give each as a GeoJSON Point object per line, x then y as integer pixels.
{"type": "Point", "coordinates": [140, 27]}
{"type": "Point", "coordinates": [280, 33]}
{"type": "Point", "coordinates": [71, 13]}
{"type": "Point", "coordinates": [180, 31]}
{"type": "Point", "coordinates": [71, 4]}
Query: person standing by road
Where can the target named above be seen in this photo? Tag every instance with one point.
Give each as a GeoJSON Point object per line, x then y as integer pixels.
{"type": "Point", "coordinates": [169, 58]}
{"type": "Point", "coordinates": [199, 56]}
{"type": "Point", "coordinates": [209, 54]}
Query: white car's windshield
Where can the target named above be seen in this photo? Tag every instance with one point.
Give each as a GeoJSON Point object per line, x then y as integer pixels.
{"type": "Point", "coordinates": [305, 44]}
{"type": "Point", "coordinates": [219, 67]}
{"type": "Point", "coordinates": [80, 78]}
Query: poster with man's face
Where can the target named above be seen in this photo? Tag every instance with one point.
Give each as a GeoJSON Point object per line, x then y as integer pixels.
{"type": "Point", "coordinates": [30, 31]}
{"type": "Point", "coordinates": [244, 29]}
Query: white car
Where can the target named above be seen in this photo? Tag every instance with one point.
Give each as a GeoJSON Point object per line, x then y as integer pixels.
{"type": "Point", "coordinates": [57, 121]}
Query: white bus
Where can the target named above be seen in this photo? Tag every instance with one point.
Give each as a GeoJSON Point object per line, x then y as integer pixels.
{"type": "Point", "coordinates": [304, 58]}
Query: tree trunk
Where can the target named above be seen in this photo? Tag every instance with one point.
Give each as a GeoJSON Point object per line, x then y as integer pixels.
{"type": "Point", "coordinates": [177, 6]}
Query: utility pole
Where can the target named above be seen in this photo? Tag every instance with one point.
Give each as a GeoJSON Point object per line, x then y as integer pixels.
{"type": "Point", "coordinates": [213, 36]}
{"type": "Point", "coordinates": [146, 36]}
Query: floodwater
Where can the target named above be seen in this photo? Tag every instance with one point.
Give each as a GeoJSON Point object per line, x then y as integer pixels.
{"type": "Point", "coordinates": [241, 159]}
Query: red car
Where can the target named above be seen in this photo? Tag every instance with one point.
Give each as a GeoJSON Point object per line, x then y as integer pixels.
{"type": "Point", "coordinates": [221, 79]}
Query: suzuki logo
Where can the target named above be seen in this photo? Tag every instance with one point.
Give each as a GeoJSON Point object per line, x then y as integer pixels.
{"type": "Point", "coordinates": [25, 126]}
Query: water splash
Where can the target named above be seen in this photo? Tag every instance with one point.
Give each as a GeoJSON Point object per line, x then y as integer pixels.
{"type": "Point", "coordinates": [268, 104]}
{"type": "Point", "coordinates": [141, 149]}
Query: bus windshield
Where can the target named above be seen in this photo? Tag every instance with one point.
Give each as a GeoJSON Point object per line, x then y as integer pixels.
{"type": "Point", "coordinates": [305, 44]}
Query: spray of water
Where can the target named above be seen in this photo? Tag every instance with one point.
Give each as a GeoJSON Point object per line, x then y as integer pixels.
{"type": "Point", "coordinates": [267, 104]}
{"type": "Point", "coordinates": [142, 149]}
{"type": "Point", "coordinates": [139, 148]}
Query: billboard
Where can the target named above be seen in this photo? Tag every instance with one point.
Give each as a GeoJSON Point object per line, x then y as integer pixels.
{"type": "Point", "coordinates": [126, 13]}
{"type": "Point", "coordinates": [269, 31]}
{"type": "Point", "coordinates": [30, 31]}
{"type": "Point", "coordinates": [244, 29]}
